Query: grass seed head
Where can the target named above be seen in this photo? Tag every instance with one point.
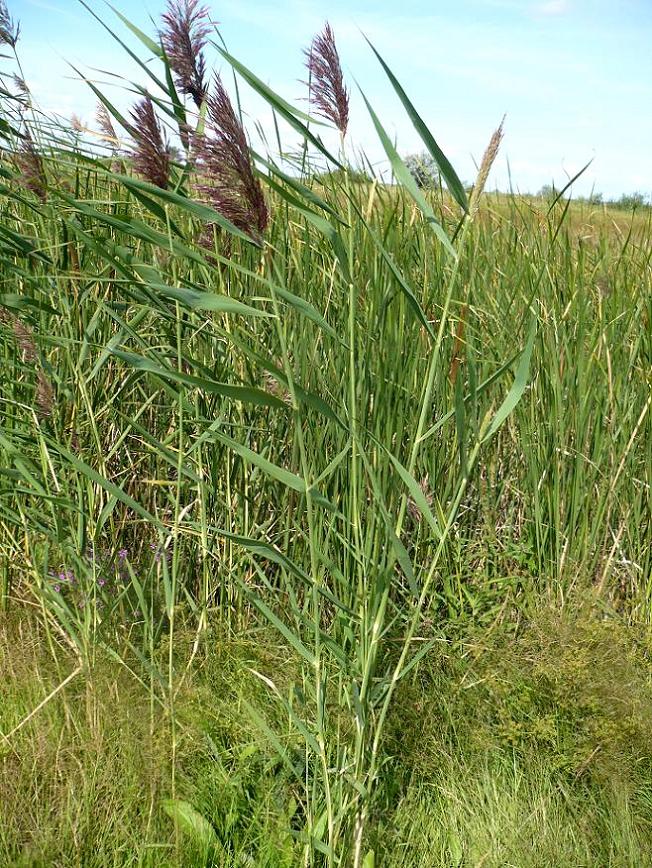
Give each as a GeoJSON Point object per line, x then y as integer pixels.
{"type": "Point", "coordinates": [150, 152]}
{"type": "Point", "coordinates": [485, 167]}
{"type": "Point", "coordinates": [30, 165]}
{"type": "Point", "coordinates": [225, 170]}
{"type": "Point", "coordinates": [9, 29]}
{"type": "Point", "coordinates": [186, 25]}
{"type": "Point", "coordinates": [44, 395]}
{"type": "Point", "coordinates": [105, 124]}
{"type": "Point", "coordinates": [328, 93]}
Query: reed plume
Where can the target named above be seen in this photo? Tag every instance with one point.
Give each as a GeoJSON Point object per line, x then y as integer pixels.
{"type": "Point", "coordinates": [23, 334]}
{"type": "Point", "coordinates": [485, 167]}
{"type": "Point", "coordinates": [105, 124]}
{"type": "Point", "coordinates": [226, 172]}
{"type": "Point", "coordinates": [44, 395]}
{"type": "Point", "coordinates": [30, 165]}
{"type": "Point", "coordinates": [150, 151]}
{"type": "Point", "coordinates": [328, 94]}
{"type": "Point", "coordinates": [184, 36]}
{"type": "Point", "coordinates": [9, 29]}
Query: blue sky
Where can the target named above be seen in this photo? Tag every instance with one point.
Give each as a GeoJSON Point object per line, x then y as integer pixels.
{"type": "Point", "coordinates": [573, 76]}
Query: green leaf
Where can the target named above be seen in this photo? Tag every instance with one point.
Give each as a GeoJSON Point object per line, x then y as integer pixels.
{"type": "Point", "coordinates": [283, 628]}
{"type": "Point", "coordinates": [195, 299]}
{"type": "Point", "coordinates": [417, 495]}
{"type": "Point", "coordinates": [448, 172]}
{"type": "Point", "coordinates": [290, 114]}
{"type": "Point", "coordinates": [518, 387]}
{"type": "Point", "coordinates": [404, 286]}
{"type": "Point", "coordinates": [246, 394]}
{"type": "Point", "coordinates": [192, 823]}
{"type": "Point", "coordinates": [154, 47]}
{"type": "Point", "coordinates": [280, 474]}
{"type": "Point", "coordinates": [404, 176]}
{"type": "Point", "coordinates": [197, 209]}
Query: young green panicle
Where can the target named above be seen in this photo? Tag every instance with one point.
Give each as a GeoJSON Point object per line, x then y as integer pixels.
{"type": "Point", "coordinates": [328, 93]}
{"type": "Point", "coordinates": [150, 151]}
{"type": "Point", "coordinates": [186, 25]}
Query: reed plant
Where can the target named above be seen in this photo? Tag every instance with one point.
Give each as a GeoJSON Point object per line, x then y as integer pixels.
{"type": "Point", "coordinates": [360, 413]}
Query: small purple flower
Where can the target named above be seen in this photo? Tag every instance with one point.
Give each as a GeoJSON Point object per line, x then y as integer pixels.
{"type": "Point", "coordinates": [57, 588]}
{"type": "Point", "coordinates": [123, 554]}
{"type": "Point", "coordinates": [101, 582]}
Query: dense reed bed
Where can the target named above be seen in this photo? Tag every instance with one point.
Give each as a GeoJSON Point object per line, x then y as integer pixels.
{"type": "Point", "coordinates": [291, 459]}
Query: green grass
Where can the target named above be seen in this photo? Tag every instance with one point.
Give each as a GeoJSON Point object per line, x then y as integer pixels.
{"type": "Point", "coordinates": [358, 521]}
{"type": "Point", "coordinates": [528, 749]}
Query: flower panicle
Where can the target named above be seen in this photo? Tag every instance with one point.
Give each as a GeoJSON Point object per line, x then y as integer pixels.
{"type": "Point", "coordinates": [488, 159]}
{"type": "Point", "coordinates": [225, 168]}
{"type": "Point", "coordinates": [328, 93]}
{"type": "Point", "coordinates": [150, 151]}
{"type": "Point", "coordinates": [105, 124]}
{"type": "Point", "coordinates": [9, 29]}
{"type": "Point", "coordinates": [30, 165]}
{"type": "Point", "coordinates": [186, 26]}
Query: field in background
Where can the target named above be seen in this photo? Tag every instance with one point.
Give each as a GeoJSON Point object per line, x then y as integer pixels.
{"type": "Point", "coordinates": [324, 522]}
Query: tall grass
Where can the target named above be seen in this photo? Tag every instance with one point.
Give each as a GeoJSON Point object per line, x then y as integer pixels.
{"type": "Point", "coordinates": [378, 414]}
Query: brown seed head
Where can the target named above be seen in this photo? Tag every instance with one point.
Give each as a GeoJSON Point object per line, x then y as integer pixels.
{"type": "Point", "coordinates": [328, 94]}
{"type": "Point", "coordinates": [227, 178]}
{"type": "Point", "coordinates": [30, 165]}
{"type": "Point", "coordinates": [23, 334]}
{"type": "Point", "coordinates": [485, 167]}
{"type": "Point", "coordinates": [44, 395]}
{"type": "Point", "coordinates": [186, 26]}
{"type": "Point", "coordinates": [150, 151]}
{"type": "Point", "coordinates": [9, 29]}
{"type": "Point", "coordinates": [105, 124]}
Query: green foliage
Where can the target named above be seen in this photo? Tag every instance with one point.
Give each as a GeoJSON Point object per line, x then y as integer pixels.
{"type": "Point", "coordinates": [383, 424]}
{"type": "Point", "coordinates": [424, 170]}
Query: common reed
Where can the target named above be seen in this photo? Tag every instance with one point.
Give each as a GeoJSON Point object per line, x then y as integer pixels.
{"type": "Point", "coordinates": [225, 170]}
{"type": "Point", "coordinates": [488, 159]}
{"type": "Point", "coordinates": [9, 29]}
{"type": "Point", "coordinates": [30, 165]}
{"type": "Point", "coordinates": [186, 25]}
{"type": "Point", "coordinates": [328, 93]}
{"type": "Point", "coordinates": [150, 151]}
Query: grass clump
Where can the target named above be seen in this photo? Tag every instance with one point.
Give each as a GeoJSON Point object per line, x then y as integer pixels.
{"type": "Point", "coordinates": [528, 747]}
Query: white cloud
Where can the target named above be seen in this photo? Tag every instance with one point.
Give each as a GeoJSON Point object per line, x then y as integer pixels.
{"type": "Point", "coordinates": [553, 7]}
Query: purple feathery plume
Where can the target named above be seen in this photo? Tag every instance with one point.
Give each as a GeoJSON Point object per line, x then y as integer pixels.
{"type": "Point", "coordinates": [9, 30]}
{"type": "Point", "coordinates": [227, 178]}
{"type": "Point", "coordinates": [328, 93]}
{"type": "Point", "coordinates": [184, 36]}
{"type": "Point", "coordinates": [30, 165]}
{"type": "Point", "coordinates": [150, 152]}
